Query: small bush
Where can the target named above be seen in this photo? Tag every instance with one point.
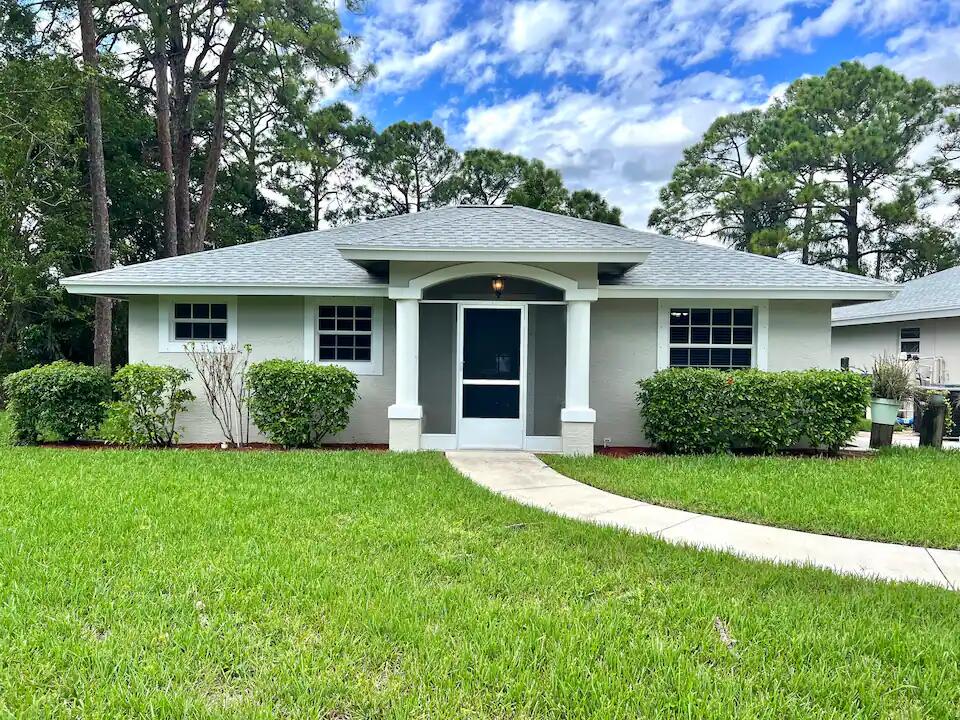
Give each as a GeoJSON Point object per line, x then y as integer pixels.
{"type": "Point", "coordinates": [150, 397]}
{"type": "Point", "coordinates": [62, 401]}
{"type": "Point", "coordinates": [297, 404]}
{"type": "Point", "coordinates": [692, 410]}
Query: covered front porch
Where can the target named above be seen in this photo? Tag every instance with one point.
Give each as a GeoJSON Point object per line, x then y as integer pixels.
{"type": "Point", "coordinates": [492, 356]}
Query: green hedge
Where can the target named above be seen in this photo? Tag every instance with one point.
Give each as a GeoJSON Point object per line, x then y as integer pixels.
{"type": "Point", "coordinates": [149, 399]}
{"type": "Point", "coordinates": [697, 410]}
{"type": "Point", "coordinates": [62, 401]}
{"type": "Point", "coordinates": [297, 404]}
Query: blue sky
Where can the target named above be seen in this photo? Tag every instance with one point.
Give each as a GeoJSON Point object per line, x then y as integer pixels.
{"type": "Point", "coordinates": [610, 91]}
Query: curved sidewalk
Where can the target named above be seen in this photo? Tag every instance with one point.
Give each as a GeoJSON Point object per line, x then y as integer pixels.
{"type": "Point", "coordinates": [524, 477]}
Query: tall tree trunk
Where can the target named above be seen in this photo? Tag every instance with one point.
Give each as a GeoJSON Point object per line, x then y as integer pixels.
{"type": "Point", "coordinates": [216, 140]}
{"type": "Point", "coordinates": [852, 222]}
{"type": "Point", "coordinates": [807, 224]}
{"type": "Point", "coordinates": [181, 128]}
{"type": "Point", "coordinates": [103, 312]}
{"type": "Point", "coordinates": [160, 67]}
{"type": "Point", "coordinates": [315, 193]}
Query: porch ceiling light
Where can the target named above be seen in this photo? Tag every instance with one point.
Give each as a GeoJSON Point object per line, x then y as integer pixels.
{"type": "Point", "coordinates": [497, 286]}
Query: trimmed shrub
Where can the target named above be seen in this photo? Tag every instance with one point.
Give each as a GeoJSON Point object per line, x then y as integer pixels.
{"type": "Point", "coordinates": [691, 410]}
{"type": "Point", "coordinates": [62, 401]}
{"type": "Point", "coordinates": [297, 403]}
{"type": "Point", "coordinates": [149, 399]}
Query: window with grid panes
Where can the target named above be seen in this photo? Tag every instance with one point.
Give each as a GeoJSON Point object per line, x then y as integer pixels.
{"type": "Point", "coordinates": [199, 321]}
{"type": "Point", "coordinates": [344, 333]}
{"type": "Point", "coordinates": [720, 338]}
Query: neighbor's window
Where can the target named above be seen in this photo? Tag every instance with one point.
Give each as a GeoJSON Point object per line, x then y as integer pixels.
{"type": "Point", "coordinates": [199, 321]}
{"type": "Point", "coordinates": [719, 338]}
{"type": "Point", "coordinates": [345, 333]}
{"type": "Point", "coordinates": [910, 340]}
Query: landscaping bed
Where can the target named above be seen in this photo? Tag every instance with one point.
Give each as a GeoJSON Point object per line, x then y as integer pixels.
{"type": "Point", "coordinates": [903, 495]}
{"type": "Point", "coordinates": [358, 585]}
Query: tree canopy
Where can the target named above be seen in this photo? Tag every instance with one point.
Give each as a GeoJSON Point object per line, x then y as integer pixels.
{"type": "Point", "coordinates": [828, 170]}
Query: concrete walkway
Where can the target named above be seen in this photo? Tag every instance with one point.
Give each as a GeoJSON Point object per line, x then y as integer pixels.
{"type": "Point", "coordinates": [861, 441]}
{"type": "Point", "coordinates": [524, 477]}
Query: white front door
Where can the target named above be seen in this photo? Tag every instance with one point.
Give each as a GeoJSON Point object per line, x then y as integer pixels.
{"type": "Point", "coordinates": [491, 400]}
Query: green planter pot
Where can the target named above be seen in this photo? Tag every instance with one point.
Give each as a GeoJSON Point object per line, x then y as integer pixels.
{"type": "Point", "coordinates": [883, 411]}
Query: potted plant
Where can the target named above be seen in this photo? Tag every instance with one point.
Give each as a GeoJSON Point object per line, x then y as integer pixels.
{"type": "Point", "coordinates": [892, 385]}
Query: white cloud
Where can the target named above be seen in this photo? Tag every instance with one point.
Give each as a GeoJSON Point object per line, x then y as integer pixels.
{"type": "Point", "coordinates": [610, 91]}
{"type": "Point", "coordinates": [534, 25]}
{"type": "Point", "coordinates": [622, 146]}
{"type": "Point", "coordinates": [402, 69]}
{"type": "Point", "coordinates": [932, 53]}
{"type": "Point", "coordinates": [763, 37]}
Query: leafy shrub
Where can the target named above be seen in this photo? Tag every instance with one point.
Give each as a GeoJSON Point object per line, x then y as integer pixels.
{"type": "Point", "coordinates": [62, 400]}
{"type": "Point", "coordinates": [149, 399]}
{"type": "Point", "coordinates": [699, 410]}
{"type": "Point", "coordinates": [297, 404]}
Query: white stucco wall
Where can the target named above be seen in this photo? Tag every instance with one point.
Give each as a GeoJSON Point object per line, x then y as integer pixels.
{"type": "Point", "coordinates": [273, 326]}
{"type": "Point", "coordinates": [623, 336]}
{"type": "Point", "coordinates": [939, 337]}
{"type": "Point", "coordinates": [799, 335]}
{"type": "Point", "coordinates": [623, 350]}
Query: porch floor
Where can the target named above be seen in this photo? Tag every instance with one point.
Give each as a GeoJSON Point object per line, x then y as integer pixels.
{"type": "Point", "coordinates": [523, 477]}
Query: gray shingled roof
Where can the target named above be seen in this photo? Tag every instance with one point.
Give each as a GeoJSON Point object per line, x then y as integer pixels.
{"type": "Point", "coordinates": [938, 293]}
{"type": "Point", "coordinates": [312, 260]}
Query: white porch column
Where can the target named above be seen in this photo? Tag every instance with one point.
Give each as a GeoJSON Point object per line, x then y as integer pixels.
{"type": "Point", "coordinates": [577, 418]}
{"type": "Point", "coordinates": [405, 415]}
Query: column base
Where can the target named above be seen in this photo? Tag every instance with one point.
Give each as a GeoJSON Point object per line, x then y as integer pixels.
{"type": "Point", "coordinates": [576, 431]}
{"type": "Point", "coordinates": [405, 426]}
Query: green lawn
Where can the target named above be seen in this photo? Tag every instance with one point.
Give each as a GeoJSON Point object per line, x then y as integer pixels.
{"type": "Point", "coordinates": [903, 495]}
{"type": "Point", "coordinates": [364, 585]}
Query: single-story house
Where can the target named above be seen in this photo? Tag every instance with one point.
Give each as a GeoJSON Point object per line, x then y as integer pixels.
{"type": "Point", "coordinates": [922, 323]}
{"type": "Point", "coordinates": [484, 327]}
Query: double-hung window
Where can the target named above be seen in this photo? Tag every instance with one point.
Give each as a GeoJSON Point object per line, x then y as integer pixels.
{"type": "Point", "coordinates": [346, 332]}
{"type": "Point", "coordinates": [722, 338]}
{"type": "Point", "coordinates": [910, 340]}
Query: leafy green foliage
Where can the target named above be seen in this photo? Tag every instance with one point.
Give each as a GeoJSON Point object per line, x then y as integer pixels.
{"type": "Point", "coordinates": [62, 401]}
{"type": "Point", "coordinates": [699, 410]}
{"type": "Point", "coordinates": [297, 403]}
{"type": "Point", "coordinates": [409, 167]}
{"type": "Point", "coordinates": [150, 397]}
{"type": "Point", "coordinates": [815, 172]}
{"type": "Point", "coordinates": [485, 177]}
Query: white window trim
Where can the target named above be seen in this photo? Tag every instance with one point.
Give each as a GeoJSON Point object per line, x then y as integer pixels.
{"type": "Point", "coordinates": [761, 310]}
{"type": "Point", "coordinates": [311, 311]}
{"type": "Point", "coordinates": [166, 341]}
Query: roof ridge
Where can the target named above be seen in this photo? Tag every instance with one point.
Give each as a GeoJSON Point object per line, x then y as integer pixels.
{"type": "Point", "coordinates": [436, 211]}
{"type": "Point", "coordinates": [544, 216]}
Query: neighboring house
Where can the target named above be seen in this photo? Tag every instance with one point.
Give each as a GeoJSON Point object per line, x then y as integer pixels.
{"type": "Point", "coordinates": [921, 323]}
{"type": "Point", "coordinates": [549, 362]}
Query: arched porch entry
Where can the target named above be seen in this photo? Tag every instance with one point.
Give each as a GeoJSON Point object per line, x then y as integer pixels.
{"type": "Point", "coordinates": [493, 356]}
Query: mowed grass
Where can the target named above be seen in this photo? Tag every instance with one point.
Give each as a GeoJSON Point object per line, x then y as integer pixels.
{"type": "Point", "coordinates": [362, 585]}
{"type": "Point", "coordinates": [904, 495]}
